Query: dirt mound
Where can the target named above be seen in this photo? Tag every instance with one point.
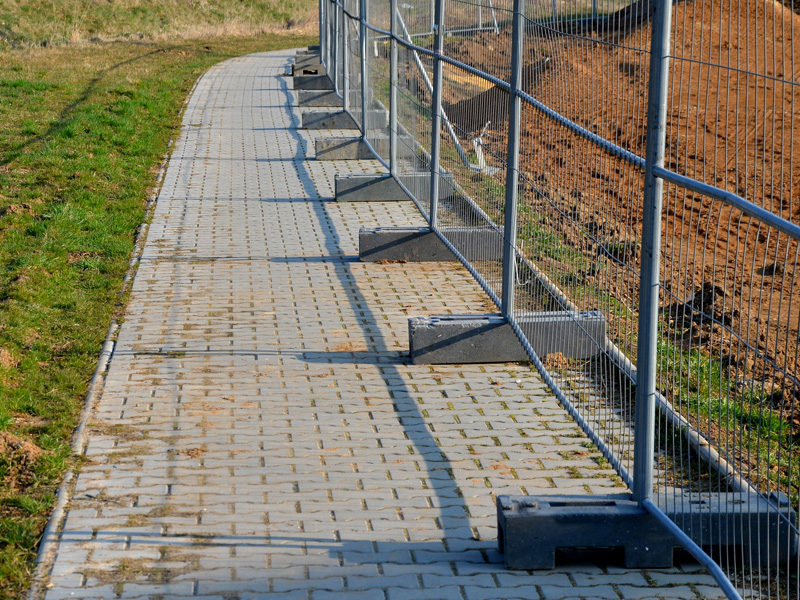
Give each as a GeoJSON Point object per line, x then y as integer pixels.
{"type": "Point", "coordinates": [735, 126]}
{"type": "Point", "coordinates": [17, 459]}
{"type": "Point", "coordinates": [472, 114]}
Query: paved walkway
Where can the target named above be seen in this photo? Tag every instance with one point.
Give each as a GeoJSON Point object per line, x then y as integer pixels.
{"type": "Point", "coordinates": [260, 433]}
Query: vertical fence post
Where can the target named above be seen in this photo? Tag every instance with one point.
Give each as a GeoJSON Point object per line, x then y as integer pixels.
{"type": "Point", "coordinates": [646, 354]}
{"type": "Point", "coordinates": [328, 38]}
{"type": "Point", "coordinates": [320, 25]}
{"type": "Point", "coordinates": [436, 110]}
{"type": "Point", "coordinates": [512, 160]}
{"type": "Point", "coordinates": [362, 51]}
{"type": "Point", "coordinates": [325, 39]}
{"type": "Point", "coordinates": [334, 42]}
{"type": "Point", "coordinates": [344, 32]}
{"type": "Point", "coordinates": [393, 90]}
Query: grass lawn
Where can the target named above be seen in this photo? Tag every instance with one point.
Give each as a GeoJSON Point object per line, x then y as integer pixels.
{"type": "Point", "coordinates": [83, 129]}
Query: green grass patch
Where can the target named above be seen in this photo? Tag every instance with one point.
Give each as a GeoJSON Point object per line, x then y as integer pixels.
{"type": "Point", "coordinates": [83, 129]}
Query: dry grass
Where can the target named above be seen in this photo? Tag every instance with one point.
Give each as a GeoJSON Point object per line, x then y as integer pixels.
{"type": "Point", "coordinates": [60, 22]}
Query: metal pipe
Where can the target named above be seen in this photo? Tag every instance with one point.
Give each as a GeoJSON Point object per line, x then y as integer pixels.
{"type": "Point", "coordinates": [320, 28]}
{"type": "Point", "coordinates": [646, 357]}
{"type": "Point", "coordinates": [393, 90]}
{"type": "Point", "coordinates": [494, 19]}
{"type": "Point", "coordinates": [331, 66]}
{"type": "Point", "coordinates": [731, 199]}
{"type": "Point", "coordinates": [512, 163]}
{"type": "Point", "coordinates": [362, 48]}
{"type": "Point", "coordinates": [436, 111]}
{"type": "Point", "coordinates": [345, 33]}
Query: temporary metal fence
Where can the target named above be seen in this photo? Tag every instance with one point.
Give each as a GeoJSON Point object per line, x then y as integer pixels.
{"type": "Point", "coordinates": [638, 161]}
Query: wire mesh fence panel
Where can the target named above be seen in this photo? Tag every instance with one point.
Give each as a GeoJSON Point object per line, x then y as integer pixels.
{"type": "Point", "coordinates": [474, 141]}
{"type": "Point", "coordinates": [544, 123]}
{"type": "Point", "coordinates": [728, 355]}
{"type": "Point", "coordinates": [414, 93]}
{"type": "Point", "coordinates": [342, 53]}
{"type": "Point", "coordinates": [378, 79]}
{"type": "Point", "coordinates": [353, 63]}
{"type": "Point", "coordinates": [578, 225]}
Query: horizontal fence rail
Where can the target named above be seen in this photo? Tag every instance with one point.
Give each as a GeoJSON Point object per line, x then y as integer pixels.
{"type": "Point", "coordinates": [633, 165]}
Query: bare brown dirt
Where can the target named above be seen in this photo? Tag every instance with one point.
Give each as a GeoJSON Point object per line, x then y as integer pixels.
{"type": "Point", "coordinates": [17, 457]}
{"type": "Point", "coordinates": [736, 127]}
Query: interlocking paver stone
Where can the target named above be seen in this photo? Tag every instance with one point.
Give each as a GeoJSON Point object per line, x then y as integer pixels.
{"type": "Point", "coordinates": [260, 433]}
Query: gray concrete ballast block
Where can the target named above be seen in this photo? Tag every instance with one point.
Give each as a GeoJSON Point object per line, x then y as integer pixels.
{"type": "Point", "coordinates": [339, 119]}
{"type": "Point", "coordinates": [318, 98]}
{"type": "Point", "coordinates": [310, 67]}
{"type": "Point", "coordinates": [531, 528]}
{"type": "Point", "coordinates": [412, 244]}
{"type": "Point", "coordinates": [312, 82]}
{"type": "Point", "coordinates": [420, 244]}
{"type": "Point", "coordinates": [461, 339]}
{"type": "Point", "coordinates": [344, 148]}
{"type": "Point", "coordinates": [327, 119]}
{"type": "Point", "coordinates": [368, 187]}
{"type": "Point", "coordinates": [382, 187]}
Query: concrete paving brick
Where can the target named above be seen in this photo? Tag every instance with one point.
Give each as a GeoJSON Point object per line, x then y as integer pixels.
{"type": "Point", "coordinates": [375, 594]}
{"type": "Point", "coordinates": [260, 426]}
{"type": "Point", "coordinates": [665, 578]}
{"type": "Point", "coordinates": [520, 578]}
{"type": "Point", "coordinates": [707, 592]}
{"type": "Point", "coordinates": [447, 593]}
{"type": "Point", "coordinates": [528, 592]}
{"type": "Point", "coordinates": [593, 592]}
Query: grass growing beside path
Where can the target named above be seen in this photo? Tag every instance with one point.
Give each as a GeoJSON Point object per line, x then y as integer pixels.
{"type": "Point", "coordinates": [83, 129]}
{"type": "Point", "coordinates": [56, 22]}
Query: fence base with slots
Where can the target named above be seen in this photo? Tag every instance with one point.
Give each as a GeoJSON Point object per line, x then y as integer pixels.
{"type": "Point", "coordinates": [532, 528]}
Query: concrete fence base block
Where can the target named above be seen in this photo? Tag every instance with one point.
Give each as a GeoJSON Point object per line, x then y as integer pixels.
{"type": "Point", "coordinates": [318, 98]}
{"type": "Point", "coordinates": [457, 339]}
{"type": "Point", "coordinates": [463, 339]}
{"type": "Point", "coordinates": [326, 119]}
{"type": "Point", "coordinates": [420, 244]}
{"type": "Point", "coordinates": [368, 187]}
{"type": "Point", "coordinates": [531, 528]}
{"type": "Point", "coordinates": [411, 244]}
{"type": "Point", "coordinates": [309, 67]}
{"type": "Point", "coordinates": [312, 82]}
{"type": "Point", "coordinates": [733, 517]}
{"type": "Point", "coordinates": [352, 148]}
{"type": "Point", "coordinates": [382, 187]}
{"type": "Point", "coordinates": [573, 334]}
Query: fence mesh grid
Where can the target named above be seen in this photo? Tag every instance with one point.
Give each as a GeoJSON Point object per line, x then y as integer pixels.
{"type": "Point", "coordinates": [728, 341]}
